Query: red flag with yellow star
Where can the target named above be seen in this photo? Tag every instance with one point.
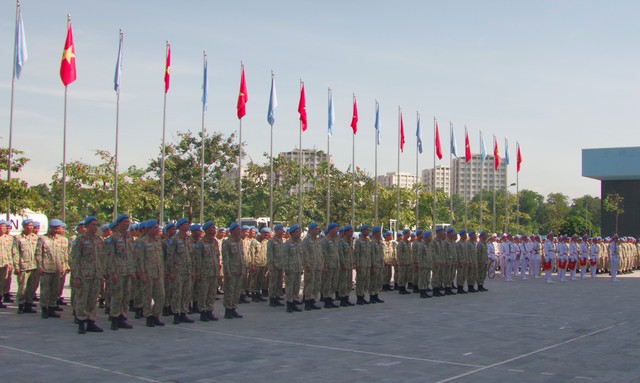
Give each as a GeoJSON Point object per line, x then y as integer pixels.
{"type": "Point", "coordinates": [467, 147]}
{"type": "Point", "coordinates": [68, 63]}
{"type": "Point", "coordinates": [302, 109]}
{"type": "Point", "coordinates": [243, 96]}
{"type": "Point", "coordinates": [167, 69]}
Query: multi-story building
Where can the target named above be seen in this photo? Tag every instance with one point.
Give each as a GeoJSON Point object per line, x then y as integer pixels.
{"type": "Point", "coordinates": [405, 180]}
{"type": "Point", "coordinates": [442, 180]}
{"type": "Point", "coordinates": [311, 159]}
{"type": "Point", "coordinates": [468, 178]}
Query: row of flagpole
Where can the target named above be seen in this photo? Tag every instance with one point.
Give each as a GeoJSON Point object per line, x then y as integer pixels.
{"type": "Point", "coordinates": [68, 75]}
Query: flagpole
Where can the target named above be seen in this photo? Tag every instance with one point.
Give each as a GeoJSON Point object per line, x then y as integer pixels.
{"type": "Point", "coordinates": [300, 166]}
{"type": "Point", "coordinates": [353, 174]}
{"type": "Point", "coordinates": [272, 121]}
{"type": "Point", "coordinates": [435, 214]}
{"type": "Point", "coordinates": [481, 177]}
{"type": "Point", "coordinates": [518, 189]}
{"type": "Point", "coordinates": [466, 166]}
{"type": "Point", "coordinates": [115, 167]}
{"type": "Point", "coordinates": [506, 189]}
{"type": "Point", "coordinates": [417, 188]}
{"type": "Point", "coordinates": [164, 130]}
{"type": "Point", "coordinates": [13, 84]}
{"type": "Point", "coordinates": [204, 107]}
{"type": "Point", "coordinates": [451, 173]}
{"type": "Point", "coordinates": [494, 184]}
{"type": "Point", "coordinates": [328, 156]}
{"type": "Point", "coordinates": [240, 159]}
{"type": "Point", "coordinates": [64, 148]}
{"type": "Point", "coordinates": [398, 170]}
{"type": "Point", "coordinates": [375, 178]}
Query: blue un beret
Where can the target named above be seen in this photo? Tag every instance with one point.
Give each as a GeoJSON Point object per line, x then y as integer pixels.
{"type": "Point", "coordinates": [439, 229]}
{"type": "Point", "coordinates": [426, 234]}
{"type": "Point", "coordinates": [122, 217]}
{"type": "Point", "coordinates": [332, 225]}
{"type": "Point", "coordinates": [364, 227]}
{"type": "Point", "coordinates": [294, 228]}
{"type": "Point", "coordinates": [89, 219]}
{"type": "Point", "coordinates": [181, 222]}
{"type": "Point", "coordinates": [113, 224]}
{"type": "Point", "coordinates": [233, 226]}
{"type": "Point", "coordinates": [105, 227]}
{"type": "Point", "coordinates": [265, 230]}
{"type": "Point", "coordinates": [169, 225]}
{"type": "Point", "coordinates": [27, 221]}
{"type": "Point", "coordinates": [348, 227]}
{"type": "Point", "coordinates": [55, 223]}
{"type": "Point", "coordinates": [388, 232]}
{"type": "Point", "coordinates": [463, 231]}
{"type": "Point", "coordinates": [406, 231]}
{"type": "Point", "coordinates": [341, 230]}
{"type": "Point", "coordinates": [419, 232]}
{"type": "Point", "coordinates": [207, 225]}
{"type": "Point", "coordinates": [36, 224]}
{"type": "Point", "coordinates": [151, 223]}
{"type": "Point", "coordinates": [195, 227]}
{"type": "Point", "coordinates": [472, 232]}
{"type": "Point", "coordinates": [450, 230]}
{"type": "Point", "coordinates": [376, 229]}
{"type": "Point", "coordinates": [278, 227]}
{"type": "Point", "coordinates": [312, 225]}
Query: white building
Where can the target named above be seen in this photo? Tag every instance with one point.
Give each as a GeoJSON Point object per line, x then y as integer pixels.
{"type": "Point", "coordinates": [468, 178]}
{"type": "Point", "coordinates": [406, 180]}
{"type": "Point", "coordinates": [442, 180]}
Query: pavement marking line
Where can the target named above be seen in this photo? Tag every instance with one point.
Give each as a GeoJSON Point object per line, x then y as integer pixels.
{"type": "Point", "coordinates": [583, 377]}
{"type": "Point", "coordinates": [526, 355]}
{"type": "Point", "coordinates": [81, 364]}
{"type": "Point", "coordinates": [514, 370]}
{"type": "Point", "coordinates": [331, 348]}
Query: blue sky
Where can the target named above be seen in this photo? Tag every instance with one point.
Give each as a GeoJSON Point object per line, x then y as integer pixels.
{"type": "Point", "coordinates": [557, 76]}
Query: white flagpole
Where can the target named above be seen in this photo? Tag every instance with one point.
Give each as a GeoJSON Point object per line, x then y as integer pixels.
{"type": "Point", "coordinates": [375, 178]}
{"type": "Point", "coordinates": [435, 214]}
{"type": "Point", "coordinates": [13, 84]}
{"type": "Point", "coordinates": [204, 109]}
{"type": "Point", "coordinates": [329, 156]}
{"type": "Point", "coordinates": [164, 130]}
{"type": "Point", "coordinates": [481, 180]}
{"type": "Point", "coordinates": [418, 188]}
{"type": "Point", "coordinates": [353, 174]}
{"type": "Point", "coordinates": [398, 171]}
{"type": "Point", "coordinates": [64, 147]}
{"type": "Point", "coordinates": [272, 107]}
{"type": "Point", "coordinates": [451, 173]}
{"type": "Point", "coordinates": [300, 166]}
{"type": "Point", "coordinates": [115, 167]}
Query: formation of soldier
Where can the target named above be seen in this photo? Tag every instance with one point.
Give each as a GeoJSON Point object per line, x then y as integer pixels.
{"type": "Point", "coordinates": [179, 269]}
{"type": "Point", "coordinates": [567, 256]}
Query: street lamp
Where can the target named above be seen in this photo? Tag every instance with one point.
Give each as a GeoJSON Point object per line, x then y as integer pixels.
{"type": "Point", "coordinates": [506, 206]}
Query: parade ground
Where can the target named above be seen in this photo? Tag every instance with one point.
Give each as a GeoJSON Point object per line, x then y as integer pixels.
{"type": "Point", "coordinates": [523, 331]}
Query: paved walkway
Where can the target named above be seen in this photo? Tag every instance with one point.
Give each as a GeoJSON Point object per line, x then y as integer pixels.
{"type": "Point", "coordinates": [524, 331]}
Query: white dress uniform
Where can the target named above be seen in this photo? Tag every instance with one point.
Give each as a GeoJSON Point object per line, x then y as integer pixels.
{"type": "Point", "coordinates": [534, 258]}
{"type": "Point", "coordinates": [573, 259]}
{"type": "Point", "coordinates": [549, 259]}
{"type": "Point", "coordinates": [563, 260]}
{"type": "Point", "coordinates": [614, 254]}
{"type": "Point", "coordinates": [584, 258]}
{"type": "Point", "coordinates": [594, 257]}
{"type": "Point", "coordinates": [524, 259]}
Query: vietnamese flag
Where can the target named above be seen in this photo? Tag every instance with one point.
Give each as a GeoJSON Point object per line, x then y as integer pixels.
{"type": "Point", "coordinates": [243, 96]}
{"type": "Point", "coordinates": [354, 119]}
{"type": "Point", "coordinates": [401, 133]}
{"type": "Point", "coordinates": [68, 63]}
{"type": "Point", "coordinates": [519, 157]}
{"type": "Point", "coordinates": [467, 147]}
{"type": "Point", "coordinates": [496, 154]}
{"type": "Point", "coordinates": [302, 109]}
{"type": "Point", "coordinates": [167, 69]}
{"type": "Point", "coordinates": [437, 144]}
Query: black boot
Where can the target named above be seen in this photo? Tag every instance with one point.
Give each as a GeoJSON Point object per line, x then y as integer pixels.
{"type": "Point", "coordinates": [360, 300]}
{"type": "Point", "coordinates": [81, 328]}
{"type": "Point", "coordinates": [57, 308]}
{"type": "Point", "coordinates": [235, 313]}
{"type": "Point", "coordinates": [45, 313]}
{"type": "Point", "coordinates": [447, 291]}
{"type": "Point", "coordinates": [243, 299]}
{"type": "Point", "coordinates": [114, 323]}
{"type": "Point", "coordinates": [203, 317]}
{"type": "Point", "coordinates": [61, 302]}
{"type": "Point", "coordinates": [482, 288]}
{"type": "Point", "coordinates": [166, 311]}
{"type": "Point", "coordinates": [461, 290]}
{"type": "Point", "coordinates": [343, 302]}
{"type": "Point", "coordinates": [195, 307]}
{"type": "Point", "coordinates": [290, 306]}
{"type": "Point", "coordinates": [377, 298]}
{"type": "Point", "coordinates": [138, 313]}
{"type": "Point", "coordinates": [156, 321]}
{"type": "Point", "coordinates": [385, 287]}
{"type": "Point", "coordinates": [131, 308]}
{"type": "Point", "coordinates": [404, 291]}
{"type": "Point", "coordinates": [6, 298]}
{"type": "Point", "coordinates": [211, 317]}
{"type": "Point", "coordinates": [176, 318]}
{"type": "Point", "coordinates": [423, 294]}
{"type": "Point", "coordinates": [295, 308]}
{"type": "Point", "coordinates": [53, 313]}
{"type": "Point", "coordinates": [313, 305]}
{"type": "Point", "coordinates": [227, 314]}
{"type": "Point", "coordinates": [185, 319]}
{"type": "Point", "coordinates": [272, 303]}
{"type": "Point", "coordinates": [471, 289]}
{"type": "Point", "coordinates": [150, 322]}
{"type": "Point", "coordinates": [93, 327]}
{"type": "Point", "coordinates": [122, 322]}
{"type": "Point", "coordinates": [101, 303]}
{"type": "Point", "coordinates": [372, 299]}
{"type": "Point", "coordinates": [259, 297]}
{"type": "Point", "coordinates": [327, 303]}
{"type": "Point", "coordinates": [28, 309]}
{"type": "Point", "coordinates": [416, 290]}
{"type": "Point", "coordinates": [346, 299]}
{"type": "Point", "coordinates": [254, 297]}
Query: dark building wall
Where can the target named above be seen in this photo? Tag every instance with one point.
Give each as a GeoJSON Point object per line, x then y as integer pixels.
{"type": "Point", "coordinates": [629, 221]}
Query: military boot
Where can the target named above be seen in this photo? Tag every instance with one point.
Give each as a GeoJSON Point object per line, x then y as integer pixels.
{"type": "Point", "coordinates": [114, 323]}
{"type": "Point", "coordinates": [166, 311]}
{"type": "Point", "coordinates": [150, 322]}
{"type": "Point", "coordinates": [327, 303]}
{"type": "Point", "coordinates": [415, 290]}
{"type": "Point", "coordinates": [377, 298]}
{"type": "Point", "coordinates": [185, 319]}
{"type": "Point", "coordinates": [28, 309]}
{"type": "Point", "coordinates": [156, 321]}
{"type": "Point", "coordinates": [93, 327]}
{"type": "Point", "coordinates": [122, 322]}
{"type": "Point", "coordinates": [423, 294]}
{"type": "Point", "coordinates": [237, 315]}
{"type": "Point", "coordinates": [211, 316]}
{"type": "Point", "coordinates": [313, 305]}
{"type": "Point", "coordinates": [6, 298]}
{"type": "Point", "coordinates": [471, 289]}
{"type": "Point", "coordinates": [343, 302]}
{"type": "Point", "coordinates": [203, 317]}
{"type": "Point", "coordinates": [53, 313]}
{"type": "Point", "coordinates": [81, 328]}
{"type": "Point", "coordinates": [176, 318]}
{"type": "Point", "coordinates": [45, 313]}
{"type": "Point", "coordinates": [481, 288]}
{"type": "Point", "coordinates": [461, 290]}
{"type": "Point", "coordinates": [227, 314]}
{"type": "Point", "coordinates": [307, 304]}
{"type": "Point", "coordinates": [290, 307]}
{"type": "Point", "coordinates": [372, 299]}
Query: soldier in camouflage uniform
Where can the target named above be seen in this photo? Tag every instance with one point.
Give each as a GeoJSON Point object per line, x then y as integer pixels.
{"type": "Point", "coordinates": [404, 262]}
{"type": "Point", "coordinates": [120, 269]}
{"type": "Point", "coordinates": [148, 255]}
{"type": "Point", "coordinates": [250, 246]}
{"type": "Point", "coordinates": [292, 267]}
{"type": "Point", "coordinates": [362, 262]}
{"type": "Point", "coordinates": [423, 261]}
{"type": "Point", "coordinates": [275, 264]}
{"type": "Point", "coordinates": [258, 266]}
{"type": "Point", "coordinates": [450, 257]}
{"type": "Point", "coordinates": [6, 243]}
{"type": "Point", "coordinates": [472, 261]}
{"type": "Point", "coordinates": [169, 231]}
{"type": "Point", "coordinates": [438, 262]}
{"type": "Point", "coordinates": [208, 270]}
{"type": "Point", "coordinates": [87, 270]}
{"type": "Point", "coordinates": [331, 259]}
{"type": "Point", "coordinates": [313, 266]}
{"type": "Point", "coordinates": [234, 267]}
{"type": "Point", "coordinates": [482, 256]}
{"type": "Point", "coordinates": [51, 256]}
{"type": "Point", "coordinates": [414, 273]}
{"type": "Point", "coordinates": [388, 260]}
{"type": "Point", "coordinates": [180, 272]}
{"type": "Point", "coordinates": [461, 260]}
{"type": "Point", "coordinates": [345, 277]}
{"type": "Point", "coordinates": [24, 266]}
{"type": "Point", "coordinates": [377, 265]}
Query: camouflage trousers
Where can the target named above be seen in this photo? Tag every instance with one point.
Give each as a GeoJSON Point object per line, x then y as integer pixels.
{"type": "Point", "coordinates": [258, 279]}
{"type": "Point", "coordinates": [472, 273]}
{"type": "Point", "coordinates": [386, 278]}
{"type": "Point", "coordinates": [206, 294]}
{"type": "Point", "coordinates": [363, 279]}
{"type": "Point", "coordinates": [345, 282]}
{"type": "Point", "coordinates": [5, 279]}
{"type": "Point", "coordinates": [312, 284]}
{"type": "Point", "coordinates": [461, 275]}
{"type": "Point", "coordinates": [292, 286]}
{"type": "Point", "coordinates": [135, 293]}
{"type": "Point", "coordinates": [423, 277]}
{"type": "Point", "coordinates": [49, 289]}
{"type": "Point", "coordinates": [63, 277]}
{"type": "Point", "coordinates": [181, 293]}
{"type": "Point", "coordinates": [375, 279]}
{"type": "Point", "coordinates": [233, 287]}
{"type": "Point", "coordinates": [119, 293]}
{"type": "Point", "coordinates": [404, 272]}
{"type": "Point", "coordinates": [152, 296]}
{"type": "Point", "coordinates": [85, 298]}
{"type": "Point", "coordinates": [482, 272]}
{"type": "Point", "coordinates": [330, 282]}
{"type": "Point", "coordinates": [275, 282]}
{"type": "Point", "coordinates": [27, 286]}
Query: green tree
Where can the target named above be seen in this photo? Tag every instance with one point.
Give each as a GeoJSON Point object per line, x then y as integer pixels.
{"type": "Point", "coordinates": [614, 203]}
{"type": "Point", "coordinates": [22, 197]}
{"type": "Point", "coordinates": [554, 212]}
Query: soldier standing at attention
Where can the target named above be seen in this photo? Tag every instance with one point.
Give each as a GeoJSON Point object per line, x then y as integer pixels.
{"type": "Point", "coordinates": [120, 268]}
{"type": "Point", "coordinates": [6, 242]}
{"type": "Point", "coordinates": [313, 266]}
{"type": "Point", "coordinates": [404, 262]}
{"type": "Point", "coordinates": [362, 261]}
{"type": "Point", "coordinates": [193, 242]}
{"type": "Point", "coordinates": [331, 258]}
{"type": "Point", "coordinates": [234, 267]}
{"type": "Point", "coordinates": [461, 259]}
{"type": "Point", "coordinates": [208, 270]}
{"type": "Point", "coordinates": [437, 255]}
{"type": "Point", "coordinates": [292, 266]}
{"type": "Point", "coordinates": [24, 266]}
{"type": "Point", "coordinates": [87, 271]}
{"type": "Point", "coordinates": [258, 266]}
{"type": "Point", "coordinates": [377, 265]}
{"type": "Point", "coordinates": [180, 272]}
{"type": "Point", "coordinates": [482, 258]}
{"type": "Point", "coordinates": [423, 262]}
{"type": "Point", "coordinates": [449, 259]}
{"type": "Point", "coordinates": [345, 278]}
{"type": "Point", "coordinates": [275, 264]}
{"type": "Point", "coordinates": [51, 256]}
{"type": "Point", "coordinates": [169, 231]}
{"type": "Point", "coordinates": [148, 255]}
{"type": "Point", "coordinates": [388, 261]}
